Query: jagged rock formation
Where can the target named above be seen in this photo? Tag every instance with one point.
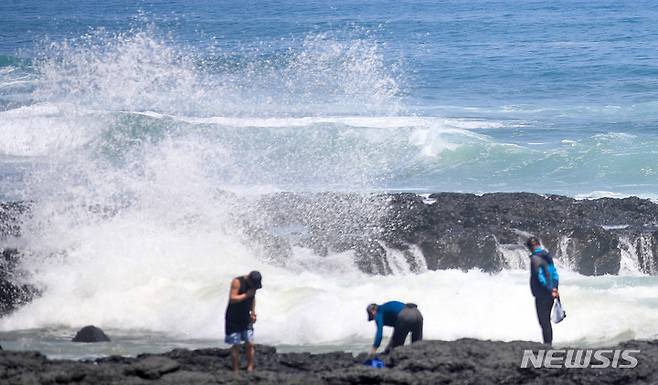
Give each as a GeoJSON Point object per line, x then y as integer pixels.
{"type": "Point", "coordinates": [13, 293]}
{"type": "Point", "coordinates": [466, 231]}
{"type": "Point", "coordinates": [10, 218]}
{"type": "Point", "coordinates": [465, 361]}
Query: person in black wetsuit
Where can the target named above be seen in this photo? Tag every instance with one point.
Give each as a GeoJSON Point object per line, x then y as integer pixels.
{"type": "Point", "coordinates": [405, 318]}
{"type": "Point", "coordinates": [544, 282]}
{"type": "Point", "coordinates": [241, 315]}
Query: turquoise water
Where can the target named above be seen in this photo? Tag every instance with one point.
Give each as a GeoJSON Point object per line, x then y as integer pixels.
{"type": "Point", "coordinates": [499, 95]}
{"type": "Point", "coordinates": [56, 344]}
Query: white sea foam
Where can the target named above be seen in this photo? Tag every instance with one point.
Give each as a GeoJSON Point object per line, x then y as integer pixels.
{"type": "Point", "coordinates": [186, 297]}
{"type": "Point", "coordinates": [14, 83]}
{"type": "Point", "coordinates": [611, 194]}
{"type": "Point", "coordinates": [383, 122]}
{"type": "Point", "coordinates": [44, 129]}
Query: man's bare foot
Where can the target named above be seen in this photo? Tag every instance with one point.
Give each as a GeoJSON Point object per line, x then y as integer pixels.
{"type": "Point", "coordinates": [250, 368]}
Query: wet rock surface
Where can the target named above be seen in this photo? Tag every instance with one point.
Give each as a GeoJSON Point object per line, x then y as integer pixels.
{"type": "Point", "coordinates": [13, 292]}
{"type": "Point", "coordinates": [11, 214]}
{"type": "Point", "coordinates": [466, 231]}
{"type": "Point", "coordinates": [465, 361]}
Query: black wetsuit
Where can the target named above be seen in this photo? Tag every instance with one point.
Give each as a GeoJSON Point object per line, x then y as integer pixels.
{"type": "Point", "coordinates": [409, 321]}
{"type": "Point", "coordinates": [238, 317]}
{"type": "Point", "coordinates": [543, 279]}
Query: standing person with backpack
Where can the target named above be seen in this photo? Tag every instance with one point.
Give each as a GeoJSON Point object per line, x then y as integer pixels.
{"type": "Point", "coordinates": [544, 281]}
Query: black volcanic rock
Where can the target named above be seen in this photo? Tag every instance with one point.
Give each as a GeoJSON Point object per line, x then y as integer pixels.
{"type": "Point", "coordinates": [11, 214]}
{"type": "Point", "coordinates": [465, 361]}
{"type": "Point", "coordinates": [90, 333]}
{"type": "Point", "coordinates": [152, 367]}
{"type": "Point", "coordinates": [13, 293]}
{"type": "Point", "coordinates": [466, 231]}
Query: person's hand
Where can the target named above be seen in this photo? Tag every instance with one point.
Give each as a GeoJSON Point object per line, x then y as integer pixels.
{"type": "Point", "coordinates": [253, 318]}
{"type": "Point", "coordinates": [555, 293]}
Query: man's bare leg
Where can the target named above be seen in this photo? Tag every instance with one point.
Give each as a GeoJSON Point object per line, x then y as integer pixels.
{"type": "Point", "coordinates": [235, 357]}
{"type": "Point", "coordinates": [251, 351]}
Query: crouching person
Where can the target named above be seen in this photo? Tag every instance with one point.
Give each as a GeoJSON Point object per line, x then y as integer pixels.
{"type": "Point", "coordinates": [405, 318]}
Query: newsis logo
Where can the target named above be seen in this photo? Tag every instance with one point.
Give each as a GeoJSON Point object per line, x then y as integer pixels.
{"type": "Point", "coordinates": [580, 358]}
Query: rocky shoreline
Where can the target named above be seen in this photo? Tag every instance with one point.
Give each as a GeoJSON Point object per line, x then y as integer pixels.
{"type": "Point", "coordinates": [465, 231]}
{"type": "Point", "coordinates": [465, 361]}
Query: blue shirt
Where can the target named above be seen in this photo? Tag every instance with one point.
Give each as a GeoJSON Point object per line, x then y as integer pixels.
{"type": "Point", "coordinates": [387, 315]}
{"type": "Point", "coordinates": [543, 274]}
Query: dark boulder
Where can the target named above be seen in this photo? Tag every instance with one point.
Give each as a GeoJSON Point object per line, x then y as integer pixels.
{"type": "Point", "coordinates": [90, 334]}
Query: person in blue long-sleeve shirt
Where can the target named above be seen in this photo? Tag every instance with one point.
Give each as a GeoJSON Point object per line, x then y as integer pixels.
{"type": "Point", "coordinates": [544, 281]}
{"type": "Point", "coordinates": [405, 318]}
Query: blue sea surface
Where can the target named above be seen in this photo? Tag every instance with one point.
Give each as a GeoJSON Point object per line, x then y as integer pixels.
{"type": "Point", "coordinates": [540, 96]}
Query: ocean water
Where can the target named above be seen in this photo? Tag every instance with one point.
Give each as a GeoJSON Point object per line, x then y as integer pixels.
{"type": "Point", "coordinates": [125, 122]}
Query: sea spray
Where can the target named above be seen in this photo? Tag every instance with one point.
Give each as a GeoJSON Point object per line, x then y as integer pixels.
{"type": "Point", "coordinates": [131, 224]}
{"type": "Point", "coordinates": [139, 70]}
